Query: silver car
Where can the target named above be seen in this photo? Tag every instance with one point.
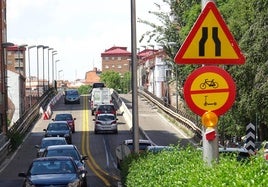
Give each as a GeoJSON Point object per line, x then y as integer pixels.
{"type": "Point", "coordinates": [105, 122]}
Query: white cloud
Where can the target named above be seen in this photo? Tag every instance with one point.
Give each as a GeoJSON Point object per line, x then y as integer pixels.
{"type": "Point", "coordinates": [79, 30]}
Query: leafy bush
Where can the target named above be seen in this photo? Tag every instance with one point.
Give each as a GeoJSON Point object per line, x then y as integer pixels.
{"type": "Point", "coordinates": [187, 168]}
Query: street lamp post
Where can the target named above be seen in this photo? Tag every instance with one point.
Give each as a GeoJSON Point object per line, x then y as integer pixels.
{"type": "Point", "coordinates": [44, 47]}
{"type": "Point", "coordinates": [48, 65]}
{"type": "Point", "coordinates": [56, 62]}
{"type": "Point", "coordinates": [59, 77]}
{"type": "Point", "coordinates": [37, 55]}
{"type": "Point", "coordinates": [29, 69]}
{"type": "Point", "coordinates": [53, 53]}
{"type": "Point", "coordinates": [4, 96]}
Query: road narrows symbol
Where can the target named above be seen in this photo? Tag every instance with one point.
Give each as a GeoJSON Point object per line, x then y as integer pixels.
{"type": "Point", "coordinates": [204, 38]}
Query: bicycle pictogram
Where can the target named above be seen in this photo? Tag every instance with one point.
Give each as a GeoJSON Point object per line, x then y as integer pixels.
{"type": "Point", "coordinates": [207, 103]}
{"type": "Point", "coordinates": [209, 83]}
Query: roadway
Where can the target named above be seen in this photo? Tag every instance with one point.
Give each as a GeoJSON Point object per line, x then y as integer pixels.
{"type": "Point", "coordinates": [100, 148]}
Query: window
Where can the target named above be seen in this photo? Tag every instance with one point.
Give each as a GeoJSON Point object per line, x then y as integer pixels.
{"type": "Point", "coordinates": [119, 66]}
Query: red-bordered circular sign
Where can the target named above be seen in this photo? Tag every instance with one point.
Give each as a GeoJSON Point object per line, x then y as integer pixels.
{"type": "Point", "coordinates": [209, 88]}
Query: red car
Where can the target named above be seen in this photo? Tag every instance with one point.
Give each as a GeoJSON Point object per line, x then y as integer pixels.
{"type": "Point", "coordinates": [105, 109]}
{"type": "Point", "coordinates": [66, 117]}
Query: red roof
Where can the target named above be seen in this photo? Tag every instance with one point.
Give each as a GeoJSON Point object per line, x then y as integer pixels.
{"type": "Point", "coordinates": [116, 51]}
{"type": "Point", "coordinates": [16, 48]}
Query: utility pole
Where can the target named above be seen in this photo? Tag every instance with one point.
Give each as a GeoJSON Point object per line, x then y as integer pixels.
{"type": "Point", "coordinates": [135, 118]}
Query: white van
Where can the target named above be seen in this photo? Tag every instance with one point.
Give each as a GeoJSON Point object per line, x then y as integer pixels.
{"type": "Point", "coordinates": [99, 96]}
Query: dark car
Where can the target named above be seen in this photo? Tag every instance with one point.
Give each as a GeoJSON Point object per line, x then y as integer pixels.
{"type": "Point", "coordinates": [241, 154]}
{"type": "Point", "coordinates": [48, 141]}
{"type": "Point", "coordinates": [105, 108]}
{"type": "Point", "coordinates": [66, 117]}
{"type": "Point", "coordinates": [68, 150]}
{"type": "Point", "coordinates": [59, 128]}
{"type": "Point", "coordinates": [98, 85]}
{"type": "Point", "coordinates": [127, 147]}
{"type": "Point", "coordinates": [53, 171]}
{"type": "Point", "coordinates": [71, 96]}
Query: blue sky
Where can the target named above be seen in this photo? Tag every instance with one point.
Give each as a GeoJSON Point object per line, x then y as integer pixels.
{"type": "Point", "coordinates": [78, 30]}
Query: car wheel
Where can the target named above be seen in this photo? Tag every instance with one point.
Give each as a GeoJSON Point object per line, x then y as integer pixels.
{"type": "Point", "coordinates": [84, 183]}
{"type": "Point", "coordinates": [92, 113]}
{"type": "Point", "coordinates": [95, 131]}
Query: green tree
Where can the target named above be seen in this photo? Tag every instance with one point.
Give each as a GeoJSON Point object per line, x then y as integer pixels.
{"type": "Point", "coordinates": [111, 79]}
{"type": "Point", "coordinates": [125, 85]}
{"type": "Point", "coordinates": [84, 89]}
{"type": "Point", "coordinates": [247, 21]}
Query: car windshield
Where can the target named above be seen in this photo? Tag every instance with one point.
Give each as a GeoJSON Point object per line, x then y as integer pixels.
{"type": "Point", "coordinates": [106, 117]}
{"type": "Point", "coordinates": [63, 152]}
{"type": "Point", "coordinates": [52, 167]}
{"type": "Point", "coordinates": [72, 92]}
{"type": "Point", "coordinates": [46, 143]}
{"type": "Point", "coordinates": [57, 127]}
{"type": "Point", "coordinates": [63, 117]}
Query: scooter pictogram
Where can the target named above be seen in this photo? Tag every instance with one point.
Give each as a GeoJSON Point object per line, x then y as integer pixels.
{"type": "Point", "coordinates": [207, 103]}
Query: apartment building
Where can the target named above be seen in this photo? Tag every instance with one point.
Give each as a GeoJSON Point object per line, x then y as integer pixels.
{"type": "Point", "coordinates": [15, 64]}
{"type": "Point", "coordinates": [116, 59]}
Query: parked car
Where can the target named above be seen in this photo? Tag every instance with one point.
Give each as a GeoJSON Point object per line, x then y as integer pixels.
{"type": "Point", "coordinates": [59, 128]}
{"type": "Point", "coordinates": [48, 141]}
{"type": "Point", "coordinates": [105, 108]}
{"type": "Point", "coordinates": [71, 96]}
{"type": "Point", "coordinates": [159, 148]}
{"type": "Point", "coordinates": [241, 154]}
{"type": "Point", "coordinates": [53, 171]}
{"type": "Point", "coordinates": [105, 122]}
{"type": "Point", "coordinates": [127, 146]}
{"type": "Point", "coordinates": [68, 150]}
{"type": "Point", "coordinates": [66, 117]}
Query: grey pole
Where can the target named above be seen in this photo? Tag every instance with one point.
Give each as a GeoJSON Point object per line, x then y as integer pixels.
{"type": "Point", "coordinates": [39, 46]}
{"type": "Point", "coordinates": [29, 73]}
{"type": "Point", "coordinates": [44, 47]}
{"type": "Point", "coordinates": [135, 118]}
{"type": "Point", "coordinates": [53, 53]}
{"type": "Point", "coordinates": [210, 148]}
{"type": "Point", "coordinates": [48, 65]}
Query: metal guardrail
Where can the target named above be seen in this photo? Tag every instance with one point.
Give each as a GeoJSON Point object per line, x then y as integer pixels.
{"type": "Point", "coordinates": [21, 127]}
{"type": "Point", "coordinates": [181, 116]}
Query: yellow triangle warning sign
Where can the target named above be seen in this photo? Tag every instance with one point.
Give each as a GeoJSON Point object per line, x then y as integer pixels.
{"type": "Point", "coordinates": [210, 41]}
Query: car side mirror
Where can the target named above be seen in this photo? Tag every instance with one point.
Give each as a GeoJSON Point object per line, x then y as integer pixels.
{"type": "Point", "coordinates": [22, 175]}
{"type": "Point", "coordinates": [84, 157]}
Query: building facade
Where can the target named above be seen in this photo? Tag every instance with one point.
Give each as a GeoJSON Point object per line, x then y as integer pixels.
{"type": "Point", "coordinates": [116, 59]}
{"type": "Point", "coordinates": [15, 64]}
